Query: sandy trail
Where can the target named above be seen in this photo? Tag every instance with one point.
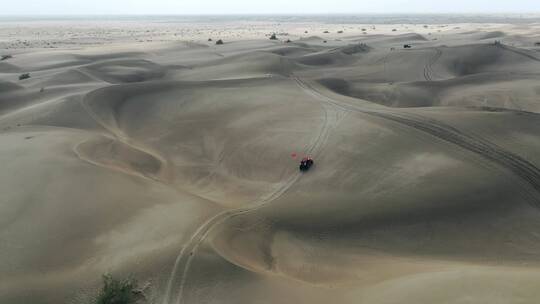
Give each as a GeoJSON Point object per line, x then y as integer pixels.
{"type": "Point", "coordinates": [121, 137]}
{"type": "Point", "coordinates": [518, 51]}
{"type": "Point", "coordinates": [180, 270]}
{"type": "Point", "coordinates": [521, 168]}
{"type": "Point", "coordinates": [428, 68]}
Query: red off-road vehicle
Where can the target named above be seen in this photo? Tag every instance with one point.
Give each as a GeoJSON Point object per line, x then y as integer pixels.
{"type": "Point", "coordinates": [306, 163]}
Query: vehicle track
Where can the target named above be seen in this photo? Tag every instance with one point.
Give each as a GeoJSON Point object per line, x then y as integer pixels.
{"type": "Point", "coordinates": [518, 51]}
{"type": "Point", "coordinates": [120, 136]}
{"type": "Point", "coordinates": [428, 68]}
{"type": "Point", "coordinates": [526, 171]}
{"type": "Point", "coordinates": [180, 270]}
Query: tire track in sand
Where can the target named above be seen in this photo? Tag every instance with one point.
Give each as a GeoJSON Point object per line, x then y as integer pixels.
{"type": "Point", "coordinates": [117, 134]}
{"type": "Point", "coordinates": [428, 68]}
{"type": "Point", "coordinates": [527, 173]}
{"type": "Point", "coordinates": [180, 270]}
{"type": "Point", "coordinates": [518, 51]}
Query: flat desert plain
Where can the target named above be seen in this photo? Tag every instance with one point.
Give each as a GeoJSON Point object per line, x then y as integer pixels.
{"type": "Point", "coordinates": [143, 149]}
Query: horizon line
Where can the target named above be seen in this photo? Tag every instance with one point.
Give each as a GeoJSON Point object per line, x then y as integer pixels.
{"type": "Point", "coordinates": [267, 14]}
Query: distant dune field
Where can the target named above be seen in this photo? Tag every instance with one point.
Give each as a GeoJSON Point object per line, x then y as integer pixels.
{"type": "Point", "coordinates": [159, 155]}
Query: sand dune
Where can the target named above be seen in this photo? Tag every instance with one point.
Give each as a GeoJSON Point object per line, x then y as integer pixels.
{"type": "Point", "coordinates": [177, 163]}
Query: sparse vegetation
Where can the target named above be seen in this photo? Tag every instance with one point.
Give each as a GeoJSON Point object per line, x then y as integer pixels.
{"type": "Point", "coordinates": [219, 42]}
{"type": "Point", "coordinates": [24, 76]}
{"type": "Point", "coordinates": [355, 48]}
{"type": "Point", "coordinates": [117, 291]}
{"type": "Point", "coordinates": [273, 37]}
{"type": "Point", "coordinates": [5, 57]}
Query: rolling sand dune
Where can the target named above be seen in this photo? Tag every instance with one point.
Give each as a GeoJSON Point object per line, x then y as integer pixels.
{"type": "Point", "coordinates": [177, 163]}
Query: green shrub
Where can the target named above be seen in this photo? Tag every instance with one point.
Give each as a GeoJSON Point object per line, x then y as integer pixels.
{"type": "Point", "coordinates": [219, 42]}
{"type": "Point", "coordinates": [117, 291]}
{"type": "Point", "coordinates": [273, 37]}
{"type": "Point", "coordinates": [24, 76]}
{"type": "Point", "coordinates": [355, 48]}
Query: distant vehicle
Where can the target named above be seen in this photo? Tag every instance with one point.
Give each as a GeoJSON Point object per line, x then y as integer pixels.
{"type": "Point", "coordinates": [306, 163]}
{"type": "Point", "coordinates": [407, 46]}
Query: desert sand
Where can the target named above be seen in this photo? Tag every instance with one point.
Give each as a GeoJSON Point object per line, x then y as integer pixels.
{"type": "Point", "coordinates": [142, 149]}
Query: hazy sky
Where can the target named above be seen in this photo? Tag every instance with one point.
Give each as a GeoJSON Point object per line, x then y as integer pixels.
{"type": "Point", "coordinates": [18, 7]}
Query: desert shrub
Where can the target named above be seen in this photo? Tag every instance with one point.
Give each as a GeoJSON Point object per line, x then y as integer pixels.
{"type": "Point", "coordinates": [363, 30]}
{"type": "Point", "coordinates": [209, 39]}
{"type": "Point", "coordinates": [117, 291]}
{"type": "Point", "coordinates": [324, 41]}
{"type": "Point", "coordinates": [537, 43]}
{"type": "Point", "coordinates": [305, 32]}
{"type": "Point", "coordinates": [24, 76]}
{"type": "Point", "coordinates": [273, 37]}
{"type": "Point", "coordinates": [288, 41]}
{"type": "Point", "coordinates": [340, 32]}
{"type": "Point", "coordinates": [5, 57]}
{"type": "Point", "coordinates": [219, 42]}
{"type": "Point", "coordinates": [326, 32]}
{"type": "Point", "coordinates": [355, 48]}
{"type": "Point", "coordinates": [394, 30]}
